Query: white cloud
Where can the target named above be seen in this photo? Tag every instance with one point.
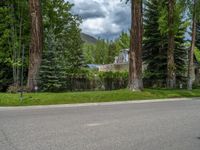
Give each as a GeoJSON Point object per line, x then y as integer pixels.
{"type": "Point", "coordinates": [103, 18]}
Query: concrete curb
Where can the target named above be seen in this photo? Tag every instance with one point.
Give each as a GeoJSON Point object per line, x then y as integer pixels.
{"type": "Point", "coordinates": [96, 104]}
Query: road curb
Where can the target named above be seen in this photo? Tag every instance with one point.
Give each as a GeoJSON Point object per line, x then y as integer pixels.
{"type": "Point", "coordinates": [97, 104]}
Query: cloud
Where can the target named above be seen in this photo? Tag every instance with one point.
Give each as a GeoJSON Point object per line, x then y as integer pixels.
{"type": "Point", "coordinates": [103, 18]}
{"type": "Point", "coordinates": [88, 9]}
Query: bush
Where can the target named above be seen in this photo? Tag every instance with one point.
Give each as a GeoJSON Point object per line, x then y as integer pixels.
{"type": "Point", "coordinates": [114, 80]}
{"type": "Point", "coordinates": [86, 80]}
{"type": "Point", "coordinates": [16, 89]}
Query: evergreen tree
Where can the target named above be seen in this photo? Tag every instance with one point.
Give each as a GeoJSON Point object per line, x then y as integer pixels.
{"type": "Point", "coordinates": [74, 58]}
{"type": "Point", "coordinates": [101, 52]}
{"type": "Point", "coordinates": [89, 53]}
{"type": "Point", "coordinates": [62, 47]}
{"type": "Point", "coordinates": [181, 51]}
{"type": "Point", "coordinates": [154, 44]}
{"type": "Point", "coordinates": [51, 71]}
{"type": "Point", "coordinates": [112, 52]}
{"type": "Point", "coordinates": [198, 36]}
{"type": "Point", "coordinates": [123, 42]}
{"type": "Point", "coordinates": [65, 27]}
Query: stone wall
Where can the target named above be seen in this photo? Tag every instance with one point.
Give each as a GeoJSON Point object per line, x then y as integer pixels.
{"type": "Point", "coordinates": [114, 67]}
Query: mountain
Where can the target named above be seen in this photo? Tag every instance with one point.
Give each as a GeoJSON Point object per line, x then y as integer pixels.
{"type": "Point", "coordinates": [88, 38]}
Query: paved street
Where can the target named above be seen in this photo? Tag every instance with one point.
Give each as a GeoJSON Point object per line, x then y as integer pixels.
{"type": "Point", "coordinates": [146, 126]}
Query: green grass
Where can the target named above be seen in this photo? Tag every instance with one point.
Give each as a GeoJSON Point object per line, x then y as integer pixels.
{"type": "Point", "coordinates": [91, 97]}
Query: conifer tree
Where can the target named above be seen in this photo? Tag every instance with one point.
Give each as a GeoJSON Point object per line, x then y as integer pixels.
{"type": "Point", "coordinates": [62, 47]}
{"type": "Point", "coordinates": [181, 51]}
{"type": "Point", "coordinates": [156, 44]}
{"type": "Point", "coordinates": [52, 71]}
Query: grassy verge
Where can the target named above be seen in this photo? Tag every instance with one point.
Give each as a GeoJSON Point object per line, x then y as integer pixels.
{"type": "Point", "coordinates": [91, 97]}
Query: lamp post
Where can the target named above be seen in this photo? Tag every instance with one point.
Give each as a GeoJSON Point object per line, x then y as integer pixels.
{"type": "Point", "coordinates": [36, 88]}
{"type": "Point", "coordinates": [22, 75]}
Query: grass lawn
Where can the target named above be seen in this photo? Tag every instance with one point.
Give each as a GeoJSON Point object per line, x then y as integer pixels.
{"type": "Point", "coordinates": [91, 97]}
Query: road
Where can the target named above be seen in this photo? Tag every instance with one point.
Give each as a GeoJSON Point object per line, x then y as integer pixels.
{"type": "Point", "coordinates": [143, 126]}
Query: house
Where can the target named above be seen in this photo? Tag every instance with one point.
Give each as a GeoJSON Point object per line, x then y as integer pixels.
{"type": "Point", "coordinates": [123, 57]}
{"type": "Point", "coordinates": [120, 63]}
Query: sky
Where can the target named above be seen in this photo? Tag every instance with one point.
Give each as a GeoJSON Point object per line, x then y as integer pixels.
{"type": "Point", "coordinates": [103, 18]}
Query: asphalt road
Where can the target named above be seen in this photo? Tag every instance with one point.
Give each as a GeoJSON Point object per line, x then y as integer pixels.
{"type": "Point", "coordinates": [146, 126]}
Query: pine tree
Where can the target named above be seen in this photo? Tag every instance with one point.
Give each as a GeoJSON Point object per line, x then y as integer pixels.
{"type": "Point", "coordinates": [73, 50]}
{"type": "Point", "coordinates": [155, 45]}
{"type": "Point", "coordinates": [62, 47]}
{"type": "Point", "coordinates": [65, 27]}
{"type": "Point", "coordinates": [181, 51]}
{"type": "Point", "coordinates": [52, 71]}
{"type": "Point", "coordinates": [112, 52]}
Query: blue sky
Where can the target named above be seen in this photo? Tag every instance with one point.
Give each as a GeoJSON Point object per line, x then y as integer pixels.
{"type": "Point", "coordinates": [103, 18]}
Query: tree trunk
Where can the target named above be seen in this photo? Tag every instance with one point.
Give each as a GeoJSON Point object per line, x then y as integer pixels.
{"type": "Point", "coordinates": [171, 76]}
{"type": "Point", "coordinates": [35, 52]}
{"type": "Point", "coordinates": [135, 53]}
{"type": "Point", "coordinates": [191, 52]}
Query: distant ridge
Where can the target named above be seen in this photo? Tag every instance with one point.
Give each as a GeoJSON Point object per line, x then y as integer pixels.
{"type": "Point", "coordinates": [88, 38]}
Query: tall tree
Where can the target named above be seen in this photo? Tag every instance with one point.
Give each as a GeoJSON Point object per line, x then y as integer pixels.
{"type": "Point", "coordinates": [198, 35]}
{"type": "Point", "coordinates": [135, 54]}
{"type": "Point", "coordinates": [195, 17]}
{"type": "Point", "coordinates": [62, 52]}
{"type": "Point", "coordinates": [14, 31]}
{"type": "Point", "coordinates": [36, 44]}
{"type": "Point", "coordinates": [52, 71]}
{"type": "Point", "coordinates": [154, 45]}
{"type": "Point", "coordinates": [171, 76]}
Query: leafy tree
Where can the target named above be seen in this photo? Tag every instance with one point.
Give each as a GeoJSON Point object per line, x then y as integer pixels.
{"type": "Point", "coordinates": [101, 52]}
{"type": "Point", "coordinates": [123, 42]}
{"type": "Point", "coordinates": [73, 51]}
{"type": "Point", "coordinates": [197, 43]}
{"type": "Point", "coordinates": [65, 26]}
{"type": "Point", "coordinates": [198, 35]}
{"type": "Point", "coordinates": [63, 45]}
{"type": "Point", "coordinates": [89, 53]}
{"type": "Point", "coordinates": [194, 6]}
{"type": "Point", "coordinates": [14, 32]}
{"type": "Point", "coordinates": [197, 54]}
{"type": "Point", "coordinates": [112, 52]}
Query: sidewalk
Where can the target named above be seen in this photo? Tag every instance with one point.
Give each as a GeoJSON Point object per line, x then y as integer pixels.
{"type": "Point", "coordinates": [96, 104]}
